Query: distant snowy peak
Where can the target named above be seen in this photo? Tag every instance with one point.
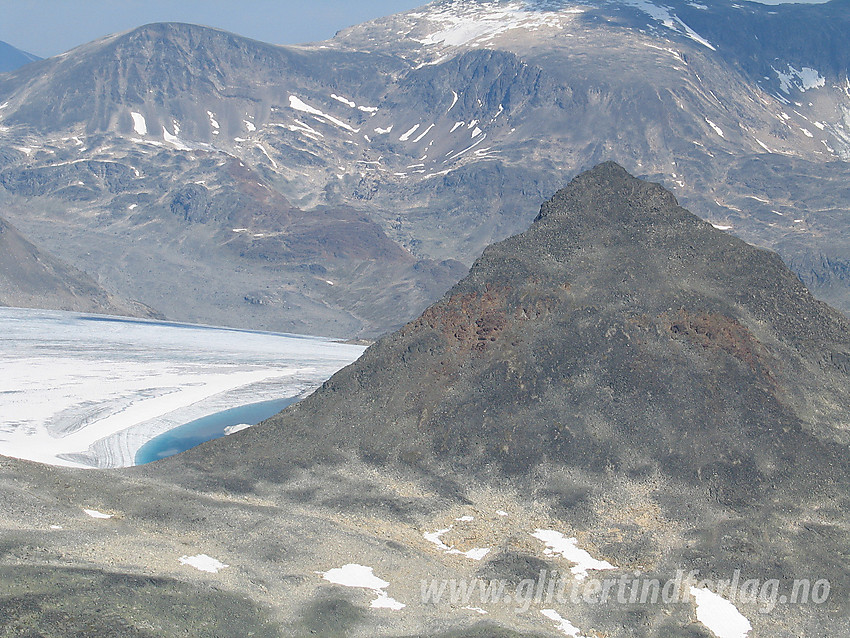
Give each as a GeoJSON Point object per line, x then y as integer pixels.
{"type": "Point", "coordinates": [458, 23]}
{"type": "Point", "coordinates": [665, 16]}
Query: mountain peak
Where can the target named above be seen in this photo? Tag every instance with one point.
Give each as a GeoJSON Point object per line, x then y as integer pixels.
{"type": "Point", "coordinates": [609, 193]}
{"type": "Point", "coordinates": [12, 58]}
{"type": "Point", "coordinates": [619, 331]}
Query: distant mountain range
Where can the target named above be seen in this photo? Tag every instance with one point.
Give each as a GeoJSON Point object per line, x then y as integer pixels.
{"type": "Point", "coordinates": [620, 392]}
{"type": "Point", "coordinates": [340, 187]}
{"type": "Point", "coordinates": [12, 58]}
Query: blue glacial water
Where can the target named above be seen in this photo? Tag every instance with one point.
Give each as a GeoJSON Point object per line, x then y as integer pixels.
{"type": "Point", "coordinates": [207, 428]}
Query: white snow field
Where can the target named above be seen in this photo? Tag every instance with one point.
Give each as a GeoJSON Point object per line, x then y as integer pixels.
{"type": "Point", "coordinates": [88, 391]}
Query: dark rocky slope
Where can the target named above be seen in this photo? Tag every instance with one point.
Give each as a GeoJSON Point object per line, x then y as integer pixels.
{"type": "Point", "coordinates": [618, 322]}
{"type": "Point", "coordinates": [30, 278]}
{"type": "Point", "coordinates": [619, 345]}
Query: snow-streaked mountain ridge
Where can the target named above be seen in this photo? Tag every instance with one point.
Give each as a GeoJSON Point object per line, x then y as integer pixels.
{"type": "Point", "coordinates": [423, 136]}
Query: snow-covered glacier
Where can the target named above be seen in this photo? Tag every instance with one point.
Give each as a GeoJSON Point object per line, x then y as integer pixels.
{"type": "Point", "coordinates": [88, 391]}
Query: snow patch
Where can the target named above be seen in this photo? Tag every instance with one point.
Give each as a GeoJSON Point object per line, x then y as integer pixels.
{"type": "Point", "coordinates": [719, 615]}
{"type": "Point", "coordinates": [423, 134]}
{"type": "Point", "coordinates": [203, 563]}
{"type": "Point", "coordinates": [306, 128]}
{"type": "Point", "coordinates": [558, 544]}
{"type": "Point", "coordinates": [383, 601]}
{"type": "Point", "coordinates": [233, 429]}
{"type": "Point", "coordinates": [344, 100]}
{"type": "Point", "coordinates": [213, 121]}
{"type": "Point", "coordinates": [96, 514]}
{"type": "Point", "coordinates": [384, 131]}
{"type": "Point", "coordinates": [174, 140]}
{"type": "Point", "coordinates": [299, 105]}
{"type": "Point", "coordinates": [139, 124]}
{"type": "Point", "coordinates": [803, 80]}
{"type": "Point", "coordinates": [762, 144]}
{"type": "Point", "coordinates": [669, 20]}
{"type": "Point", "coordinates": [564, 625]}
{"type": "Point", "coordinates": [459, 23]}
{"type": "Point", "coordinates": [406, 136]}
{"type": "Point", "coordinates": [250, 126]}
{"type": "Point", "coordinates": [722, 227]}
{"type": "Point", "coordinates": [470, 147]}
{"type": "Point", "coordinates": [362, 577]}
{"type": "Point", "coordinates": [266, 153]}
{"type": "Point", "coordinates": [716, 128]}
{"type": "Point", "coordinates": [476, 553]}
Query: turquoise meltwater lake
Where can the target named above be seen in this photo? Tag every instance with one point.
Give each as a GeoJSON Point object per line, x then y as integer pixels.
{"type": "Point", "coordinates": [208, 428]}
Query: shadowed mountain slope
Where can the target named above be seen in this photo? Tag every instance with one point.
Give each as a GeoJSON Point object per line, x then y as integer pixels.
{"type": "Point", "coordinates": [620, 355]}
{"type": "Point", "coordinates": [29, 278]}
{"type": "Point", "coordinates": [619, 332]}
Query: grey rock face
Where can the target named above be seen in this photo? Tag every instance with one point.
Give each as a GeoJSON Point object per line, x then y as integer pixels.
{"type": "Point", "coordinates": [29, 278]}
{"type": "Point", "coordinates": [442, 135]}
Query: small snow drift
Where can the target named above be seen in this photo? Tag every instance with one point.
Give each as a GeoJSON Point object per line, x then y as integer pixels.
{"type": "Point", "coordinates": [558, 544]}
{"type": "Point", "coordinates": [362, 577]}
{"type": "Point", "coordinates": [203, 563]}
{"type": "Point", "coordinates": [719, 615]}
{"type": "Point", "coordinates": [96, 514]}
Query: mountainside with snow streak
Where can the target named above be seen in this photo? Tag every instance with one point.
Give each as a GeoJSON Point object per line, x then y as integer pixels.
{"type": "Point", "coordinates": [338, 187]}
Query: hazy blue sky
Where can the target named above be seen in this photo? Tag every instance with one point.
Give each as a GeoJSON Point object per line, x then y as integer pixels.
{"type": "Point", "coordinates": [49, 27]}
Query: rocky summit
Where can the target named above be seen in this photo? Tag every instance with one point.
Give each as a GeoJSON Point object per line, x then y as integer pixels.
{"type": "Point", "coordinates": [621, 391]}
{"type": "Point", "coordinates": [619, 333]}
